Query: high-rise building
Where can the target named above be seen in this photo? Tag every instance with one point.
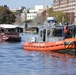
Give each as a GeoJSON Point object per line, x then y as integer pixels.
{"type": "Point", "coordinates": [66, 6]}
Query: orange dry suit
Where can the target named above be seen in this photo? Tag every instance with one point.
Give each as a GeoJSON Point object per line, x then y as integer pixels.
{"type": "Point", "coordinates": [66, 32]}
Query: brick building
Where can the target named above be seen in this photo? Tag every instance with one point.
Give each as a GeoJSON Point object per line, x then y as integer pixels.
{"type": "Point", "coordinates": [66, 6]}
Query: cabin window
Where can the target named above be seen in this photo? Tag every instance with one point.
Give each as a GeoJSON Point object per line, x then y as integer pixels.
{"type": "Point", "coordinates": [48, 33]}
{"type": "Point", "coordinates": [32, 30]}
{"type": "Point", "coordinates": [41, 33]}
{"type": "Point", "coordinates": [57, 32]}
{"type": "Point", "coordinates": [44, 33]}
{"type": "Point", "coordinates": [1, 30]}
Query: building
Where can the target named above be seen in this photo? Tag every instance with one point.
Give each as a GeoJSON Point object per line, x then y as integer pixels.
{"type": "Point", "coordinates": [66, 6]}
{"type": "Point", "coordinates": [20, 14]}
{"type": "Point", "coordinates": [23, 16]}
{"type": "Point", "coordinates": [33, 12]}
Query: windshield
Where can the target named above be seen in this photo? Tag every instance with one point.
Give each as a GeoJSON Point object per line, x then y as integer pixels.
{"type": "Point", "coordinates": [32, 30]}
{"type": "Point", "coordinates": [57, 32]}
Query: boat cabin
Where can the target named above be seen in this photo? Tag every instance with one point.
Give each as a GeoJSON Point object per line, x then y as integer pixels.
{"type": "Point", "coordinates": [47, 33]}
{"type": "Point", "coordinates": [10, 33]}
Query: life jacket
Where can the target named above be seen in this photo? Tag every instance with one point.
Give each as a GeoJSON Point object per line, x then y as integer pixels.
{"type": "Point", "coordinates": [66, 30]}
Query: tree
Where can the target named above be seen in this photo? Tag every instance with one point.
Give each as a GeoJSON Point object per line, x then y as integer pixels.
{"type": "Point", "coordinates": [6, 16]}
{"type": "Point", "coordinates": [61, 17]}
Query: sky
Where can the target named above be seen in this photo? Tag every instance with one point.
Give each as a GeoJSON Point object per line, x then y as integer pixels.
{"type": "Point", "coordinates": [13, 4]}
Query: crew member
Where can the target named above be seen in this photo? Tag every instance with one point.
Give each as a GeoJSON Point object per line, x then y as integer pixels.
{"type": "Point", "coordinates": [74, 31]}
{"type": "Point", "coordinates": [66, 31]}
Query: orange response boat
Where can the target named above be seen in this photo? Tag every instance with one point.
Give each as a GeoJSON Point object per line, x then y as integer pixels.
{"type": "Point", "coordinates": [45, 46]}
{"type": "Point", "coordinates": [49, 38]}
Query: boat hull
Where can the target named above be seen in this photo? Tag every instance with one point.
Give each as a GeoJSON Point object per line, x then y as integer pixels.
{"type": "Point", "coordinates": [51, 46]}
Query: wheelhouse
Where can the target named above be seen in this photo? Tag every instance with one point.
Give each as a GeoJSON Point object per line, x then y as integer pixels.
{"type": "Point", "coordinates": [48, 33]}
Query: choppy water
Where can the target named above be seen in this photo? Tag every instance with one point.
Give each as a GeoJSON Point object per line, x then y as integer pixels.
{"type": "Point", "coordinates": [16, 61]}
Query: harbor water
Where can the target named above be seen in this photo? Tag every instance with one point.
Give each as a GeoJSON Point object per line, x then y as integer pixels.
{"type": "Point", "coordinates": [14, 60]}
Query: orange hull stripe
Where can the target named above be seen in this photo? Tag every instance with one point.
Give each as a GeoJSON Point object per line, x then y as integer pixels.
{"type": "Point", "coordinates": [45, 46]}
